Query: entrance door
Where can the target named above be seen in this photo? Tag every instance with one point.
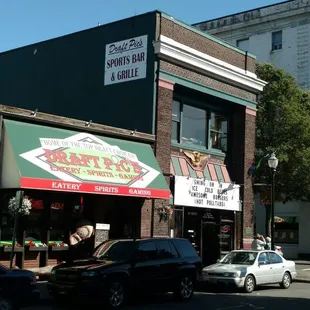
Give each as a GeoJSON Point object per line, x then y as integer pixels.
{"type": "Point", "coordinates": [210, 242]}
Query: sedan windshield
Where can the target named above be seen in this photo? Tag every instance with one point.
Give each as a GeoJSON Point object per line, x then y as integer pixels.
{"type": "Point", "coordinates": [115, 250]}
{"type": "Point", "coordinates": [239, 258]}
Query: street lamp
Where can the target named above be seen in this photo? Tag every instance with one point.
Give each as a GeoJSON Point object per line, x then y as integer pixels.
{"type": "Point", "coordinates": [273, 164]}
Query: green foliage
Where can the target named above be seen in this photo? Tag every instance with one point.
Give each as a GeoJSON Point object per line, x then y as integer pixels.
{"type": "Point", "coordinates": [283, 126]}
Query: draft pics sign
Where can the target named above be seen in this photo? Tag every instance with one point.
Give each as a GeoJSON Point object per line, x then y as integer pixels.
{"type": "Point", "coordinates": [206, 194]}
{"type": "Point", "coordinates": [125, 60]}
{"type": "Point", "coordinates": [85, 163]}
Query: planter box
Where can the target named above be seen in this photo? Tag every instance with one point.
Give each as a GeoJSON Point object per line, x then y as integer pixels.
{"type": "Point", "coordinates": [59, 248]}
{"type": "Point", "coordinates": [16, 249]}
{"type": "Point", "coordinates": [37, 248]}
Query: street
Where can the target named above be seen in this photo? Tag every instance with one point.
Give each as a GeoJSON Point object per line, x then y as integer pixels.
{"type": "Point", "coordinates": [270, 297]}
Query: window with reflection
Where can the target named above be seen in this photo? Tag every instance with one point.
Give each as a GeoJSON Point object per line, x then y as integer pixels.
{"type": "Point", "coordinates": [218, 132]}
{"type": "Point", "coordinates": [176, 120]}
{"type": "Point", "coordinates": [286, 229]}
{"type": "Point", "coordinates": [34, 224]}
{"type": "Point", "coordinates": [194, 125]}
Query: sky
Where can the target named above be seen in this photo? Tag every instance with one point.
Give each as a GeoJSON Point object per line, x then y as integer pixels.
{"type": "Point", "coordinates": [24, 22]}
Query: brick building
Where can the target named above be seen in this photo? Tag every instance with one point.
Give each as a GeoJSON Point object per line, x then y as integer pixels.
{"type": "Point", "coordinates": [156, 75]}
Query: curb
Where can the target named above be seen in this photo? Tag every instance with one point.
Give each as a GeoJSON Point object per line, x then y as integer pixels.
{"type": "Point", "coordinates": [301, 280]}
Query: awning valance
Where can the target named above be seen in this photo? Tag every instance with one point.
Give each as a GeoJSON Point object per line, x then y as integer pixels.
{"type": "Point", "coordinates": [210, 171]}
{"type": "Point", "coordinates": [46, 158]}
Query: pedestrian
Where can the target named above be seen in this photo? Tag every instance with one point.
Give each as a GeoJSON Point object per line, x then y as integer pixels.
{"type": "Point", "coordinates": [258, 242]}
{"type": "Point", "coordinates": [268, 243]}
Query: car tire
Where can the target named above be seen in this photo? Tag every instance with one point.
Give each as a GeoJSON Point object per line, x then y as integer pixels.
{"type": "Point", "coordinates": [286, 281]}
{"type": "Point", "coordinates": [7, 304]}
{"type": "Point", "coordinates": [185, 288]}
{"type": "Point", "coordinates": [116, 294]}
{"type": "Point", "coordinates": [249, 284]}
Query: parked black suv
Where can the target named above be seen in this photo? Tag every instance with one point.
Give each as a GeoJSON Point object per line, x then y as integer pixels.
{"type": "Point", "coordinates": [119, 268]}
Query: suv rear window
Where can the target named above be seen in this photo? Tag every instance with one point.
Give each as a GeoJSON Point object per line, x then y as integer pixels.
{"type": "Point", "coordinates": [185, 248]}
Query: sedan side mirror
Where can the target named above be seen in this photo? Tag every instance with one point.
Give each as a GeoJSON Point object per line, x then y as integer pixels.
{"type": "Point", "coordinates": [261, 263]}
{"type": "Point", "coordinates": [218, 260]}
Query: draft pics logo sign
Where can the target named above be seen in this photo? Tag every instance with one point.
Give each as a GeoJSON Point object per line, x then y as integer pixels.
{"type": "Point", "coordinates": [87, 159]}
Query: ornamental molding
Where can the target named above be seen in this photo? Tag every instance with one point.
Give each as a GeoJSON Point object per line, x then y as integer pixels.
{"type": "Point", "coordinates": [180, 54]}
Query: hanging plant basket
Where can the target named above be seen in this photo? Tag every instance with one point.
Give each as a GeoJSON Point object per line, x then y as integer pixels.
{"type": "Point", "coordinates": [24, 209]}
{"type": "Point", "coordinates": [165, 213]}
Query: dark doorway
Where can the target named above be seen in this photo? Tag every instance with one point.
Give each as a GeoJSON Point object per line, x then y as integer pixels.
{"type": "Point", "coordinates": [210, 242]}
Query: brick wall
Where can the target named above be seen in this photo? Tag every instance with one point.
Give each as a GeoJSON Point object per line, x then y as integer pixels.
{"type": "Point", "coordinates": [198, 41]}
{"type": "Point", "coordinates": [146, 214]}
{"type": "Point", "coordinates": [240, 159]}
{"type": "Point", "coordinates": [248, 218]}
{"type": "Point", "coordinates": [207, 81]}
{"type": "Point", "coordinates": [163, 146]}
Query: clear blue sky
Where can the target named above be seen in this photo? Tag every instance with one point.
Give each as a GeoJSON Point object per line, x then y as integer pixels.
{"type": "Point", "coordinates": [23, 22]}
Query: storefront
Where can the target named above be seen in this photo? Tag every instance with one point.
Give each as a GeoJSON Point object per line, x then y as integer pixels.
{"type": "Point", "coordinates": [206, 203]}
{"type": "Point", "coordinates": [70, 175]}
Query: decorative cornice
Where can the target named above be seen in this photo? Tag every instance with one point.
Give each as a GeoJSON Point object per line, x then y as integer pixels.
{"type": "Point", "coordinates": [186, 56]}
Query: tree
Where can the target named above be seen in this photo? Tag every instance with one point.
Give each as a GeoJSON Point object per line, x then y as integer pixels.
{"type": "Point", "coordinates": [283, 126]}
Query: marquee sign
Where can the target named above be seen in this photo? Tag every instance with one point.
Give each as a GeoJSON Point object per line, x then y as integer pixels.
{"type": "Point", "coordinates": [206, 194]}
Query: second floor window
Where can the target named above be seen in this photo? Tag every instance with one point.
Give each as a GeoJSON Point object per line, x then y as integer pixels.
{"type": "Point", "coordinates": [198, 127]}
{"type": "Point", "coordinates": [218, 132]}
{"type": "Point", "coordinates": [276, 41]}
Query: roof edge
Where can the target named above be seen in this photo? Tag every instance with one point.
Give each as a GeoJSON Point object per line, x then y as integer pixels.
{"type": "Point", "coordinates": [206, 35]}
{"type": "Point", "coordinates": [242, 12]}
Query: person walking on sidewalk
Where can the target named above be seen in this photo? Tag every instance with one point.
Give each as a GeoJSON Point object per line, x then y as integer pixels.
{"type": "Point", "coordinates": [258, 242]}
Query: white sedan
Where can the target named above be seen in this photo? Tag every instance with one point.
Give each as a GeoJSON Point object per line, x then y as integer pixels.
{"type": "Point", "coordinates": [248, 269]}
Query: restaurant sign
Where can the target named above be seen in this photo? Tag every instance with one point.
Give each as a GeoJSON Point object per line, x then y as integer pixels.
{"type": "Point", "coordinates": [125, 60]}
{"type": "Point", "coordinates": [85, 163]}
{"type": "Point", "coordinates": [206, 194]}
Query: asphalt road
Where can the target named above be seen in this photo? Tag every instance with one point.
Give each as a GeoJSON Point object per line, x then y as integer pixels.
{"type": "Point", "coordinates": [266, 298]}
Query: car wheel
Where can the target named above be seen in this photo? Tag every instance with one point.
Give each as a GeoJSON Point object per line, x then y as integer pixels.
{"type": "Point", "coordinates": [286, 281]}
{"type": "Point", "coordinates": [249, 284]}
{"type": "Point", "coordinates": [185, 289]}
{"type": "Point", "coordinates": [116, 294]}
{"type": "Point", "coordinates": [7, 304]}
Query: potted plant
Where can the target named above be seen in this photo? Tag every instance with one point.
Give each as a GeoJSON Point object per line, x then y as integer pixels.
{"type": "Point", "coordinates": [165, 213]}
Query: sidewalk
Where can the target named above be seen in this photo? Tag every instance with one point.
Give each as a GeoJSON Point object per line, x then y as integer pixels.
{"type": "Point", "coordinates": [303, 276]}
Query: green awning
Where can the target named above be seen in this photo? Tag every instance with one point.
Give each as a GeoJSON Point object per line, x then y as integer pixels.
{"type": "Point", "coordinates": [41, 157]}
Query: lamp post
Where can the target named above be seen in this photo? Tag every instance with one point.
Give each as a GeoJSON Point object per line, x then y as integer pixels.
{"type": "Point", "coordinates": [273, 164]}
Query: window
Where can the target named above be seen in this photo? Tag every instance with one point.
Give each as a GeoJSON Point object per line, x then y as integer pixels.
{"type": "Point", "coordinates": [274, 258]}
{"type": "Point", "coordinates": [190, 126]}
{"type": "Point", "coordinates": [147, 251]}
{"type": "Point", "coordinates": [194, 126]}
{"type": "Point", "coordinates": [166, 250]}
{"type": "Point", "coordinates": [218, 132]}
{"type": "Point", "coordinates": [185, 248]}
{"type": "Point", "coordinates": [176, 120]}
{"type": "Point", "coordinates": [240, 258]}
{"type": "Point", "coordinates": [276, 41]}
{"type": "Point", "coordinates": [243, 44]}
{"type": "Point", "coordinates": [286, 229]}
{"type": "Point", "coordinates": [115, 251]}
{"type": "Point", "coordinates": [263, 259]}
